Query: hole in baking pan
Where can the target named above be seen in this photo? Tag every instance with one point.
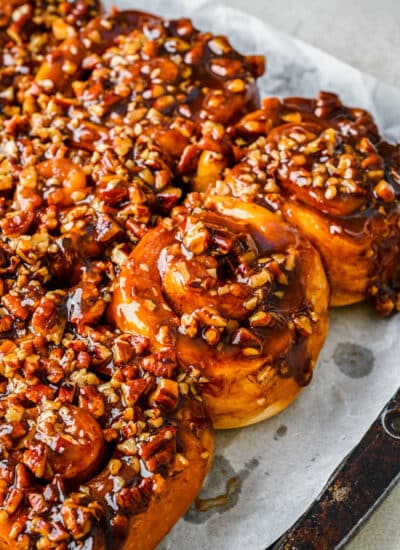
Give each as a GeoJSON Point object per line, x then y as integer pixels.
{"type": "Point", "coordinates": [391, 423]}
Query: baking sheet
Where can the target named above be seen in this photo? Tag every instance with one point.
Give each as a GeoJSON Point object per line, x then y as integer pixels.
{"type": "Point", "coordinates": [268, 474]}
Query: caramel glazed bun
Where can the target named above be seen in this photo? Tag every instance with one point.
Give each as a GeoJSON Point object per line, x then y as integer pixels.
{"type": "Point", "coordinates": [325, 168]}
{"type": "Point", "coordinates": [101, 446]}
{"type": "Point", "coordinates": [236, 292]}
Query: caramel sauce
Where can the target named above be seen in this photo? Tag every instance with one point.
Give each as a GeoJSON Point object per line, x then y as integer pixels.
{"type": "Point", "coordinates": [205, 504]}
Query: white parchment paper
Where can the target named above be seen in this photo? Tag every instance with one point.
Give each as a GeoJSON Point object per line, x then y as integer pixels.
{"type": "Point", "coordinates": [275, 469]}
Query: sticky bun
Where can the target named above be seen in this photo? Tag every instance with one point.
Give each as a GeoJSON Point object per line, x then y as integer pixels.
{"type": "Point", "coordinates": [236, 292]}
{"type": "Point", "coordinates": [325, 168]}
{"type": "Point", "coordinates": [104, 445]}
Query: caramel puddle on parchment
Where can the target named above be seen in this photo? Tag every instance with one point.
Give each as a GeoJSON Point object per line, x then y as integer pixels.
{"type": "Point", "coordinates": [204, 504]}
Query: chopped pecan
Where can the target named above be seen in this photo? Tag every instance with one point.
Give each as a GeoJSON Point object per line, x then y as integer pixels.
{"type": "Point", "coordinates": [49, 321]}
{"type": "Point", "coordinates": [38, 503]}
{"type": "Point", "coordinates": [35, 458]}
{"type": "Point", "coordinates": [160, 450]}
{"type": "Point", "coordinates": [16, 223]}
{"type": "Point", "coordinates": [22, 477]}
{"type": "Point", "coordinates": [130, 499]}
{"type": "Point", "coordinates": [246, 338]}
{"type": "Point", "coordinates": [15, 306]}
{"type": "Point", "coordinates": [85, 304]}
{"type": "Point", "coordinates": [38, 393]}
{"type": "Point", "coordinates": [132, 390]}
{"type": "Point", "coordinates": [165, 395]}
{"type": "Point", "coordinates": [196, 237]}
{"type": "Point", "coordinates": [91, 399]}
{"type": "Point", "coordinates": [13, 500]}
{"type": "Point", "coordinates": [162, 363]}
{"type": "Point", "coordinates": [67, 392]}
{"type": "Point", "coordinates": [77, 519]}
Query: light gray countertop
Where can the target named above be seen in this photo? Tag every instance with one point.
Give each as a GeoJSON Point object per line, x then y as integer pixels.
{"type": "Point", "coordinates": [365, 34]}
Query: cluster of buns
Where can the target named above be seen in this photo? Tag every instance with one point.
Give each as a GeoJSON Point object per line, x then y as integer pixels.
{"type": "Point", "coordinates": [169, 249]}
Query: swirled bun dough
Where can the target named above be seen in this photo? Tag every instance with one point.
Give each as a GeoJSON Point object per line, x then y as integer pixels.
{"type": "Point", "coordinates": [240, 295]}
{"type": "Point", "coordinates": [325, 169]}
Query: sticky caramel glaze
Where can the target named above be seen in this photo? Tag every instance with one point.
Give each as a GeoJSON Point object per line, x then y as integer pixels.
{"type": "Point", "coordinates": [215, 154]}
{"type": "Point", "coordinates": [75, 49]}
{"type": "Point", "coordinates": [30, 29]}
{"type": "Point", "coordinates": [78, 478]}
{"type": "Point", "coordinates": [76, 446]}
{"type": "Point", "coordinates": [198, 287]}
{"type": "Point", "coordinates": [326, 109]}
{"type": "Point", "coordinates": [198, 75]}
{"type": "Point", "coordinates": [325, 169]}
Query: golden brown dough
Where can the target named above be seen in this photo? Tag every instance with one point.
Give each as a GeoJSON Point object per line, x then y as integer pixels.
{"type": "Point", "coordinates": [237, 293]}
{"type": "Point", "coordinates": [324, 168]}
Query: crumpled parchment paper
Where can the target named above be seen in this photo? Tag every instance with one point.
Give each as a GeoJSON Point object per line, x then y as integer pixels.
{"type": "Point", "coordinates": [268, 474]}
